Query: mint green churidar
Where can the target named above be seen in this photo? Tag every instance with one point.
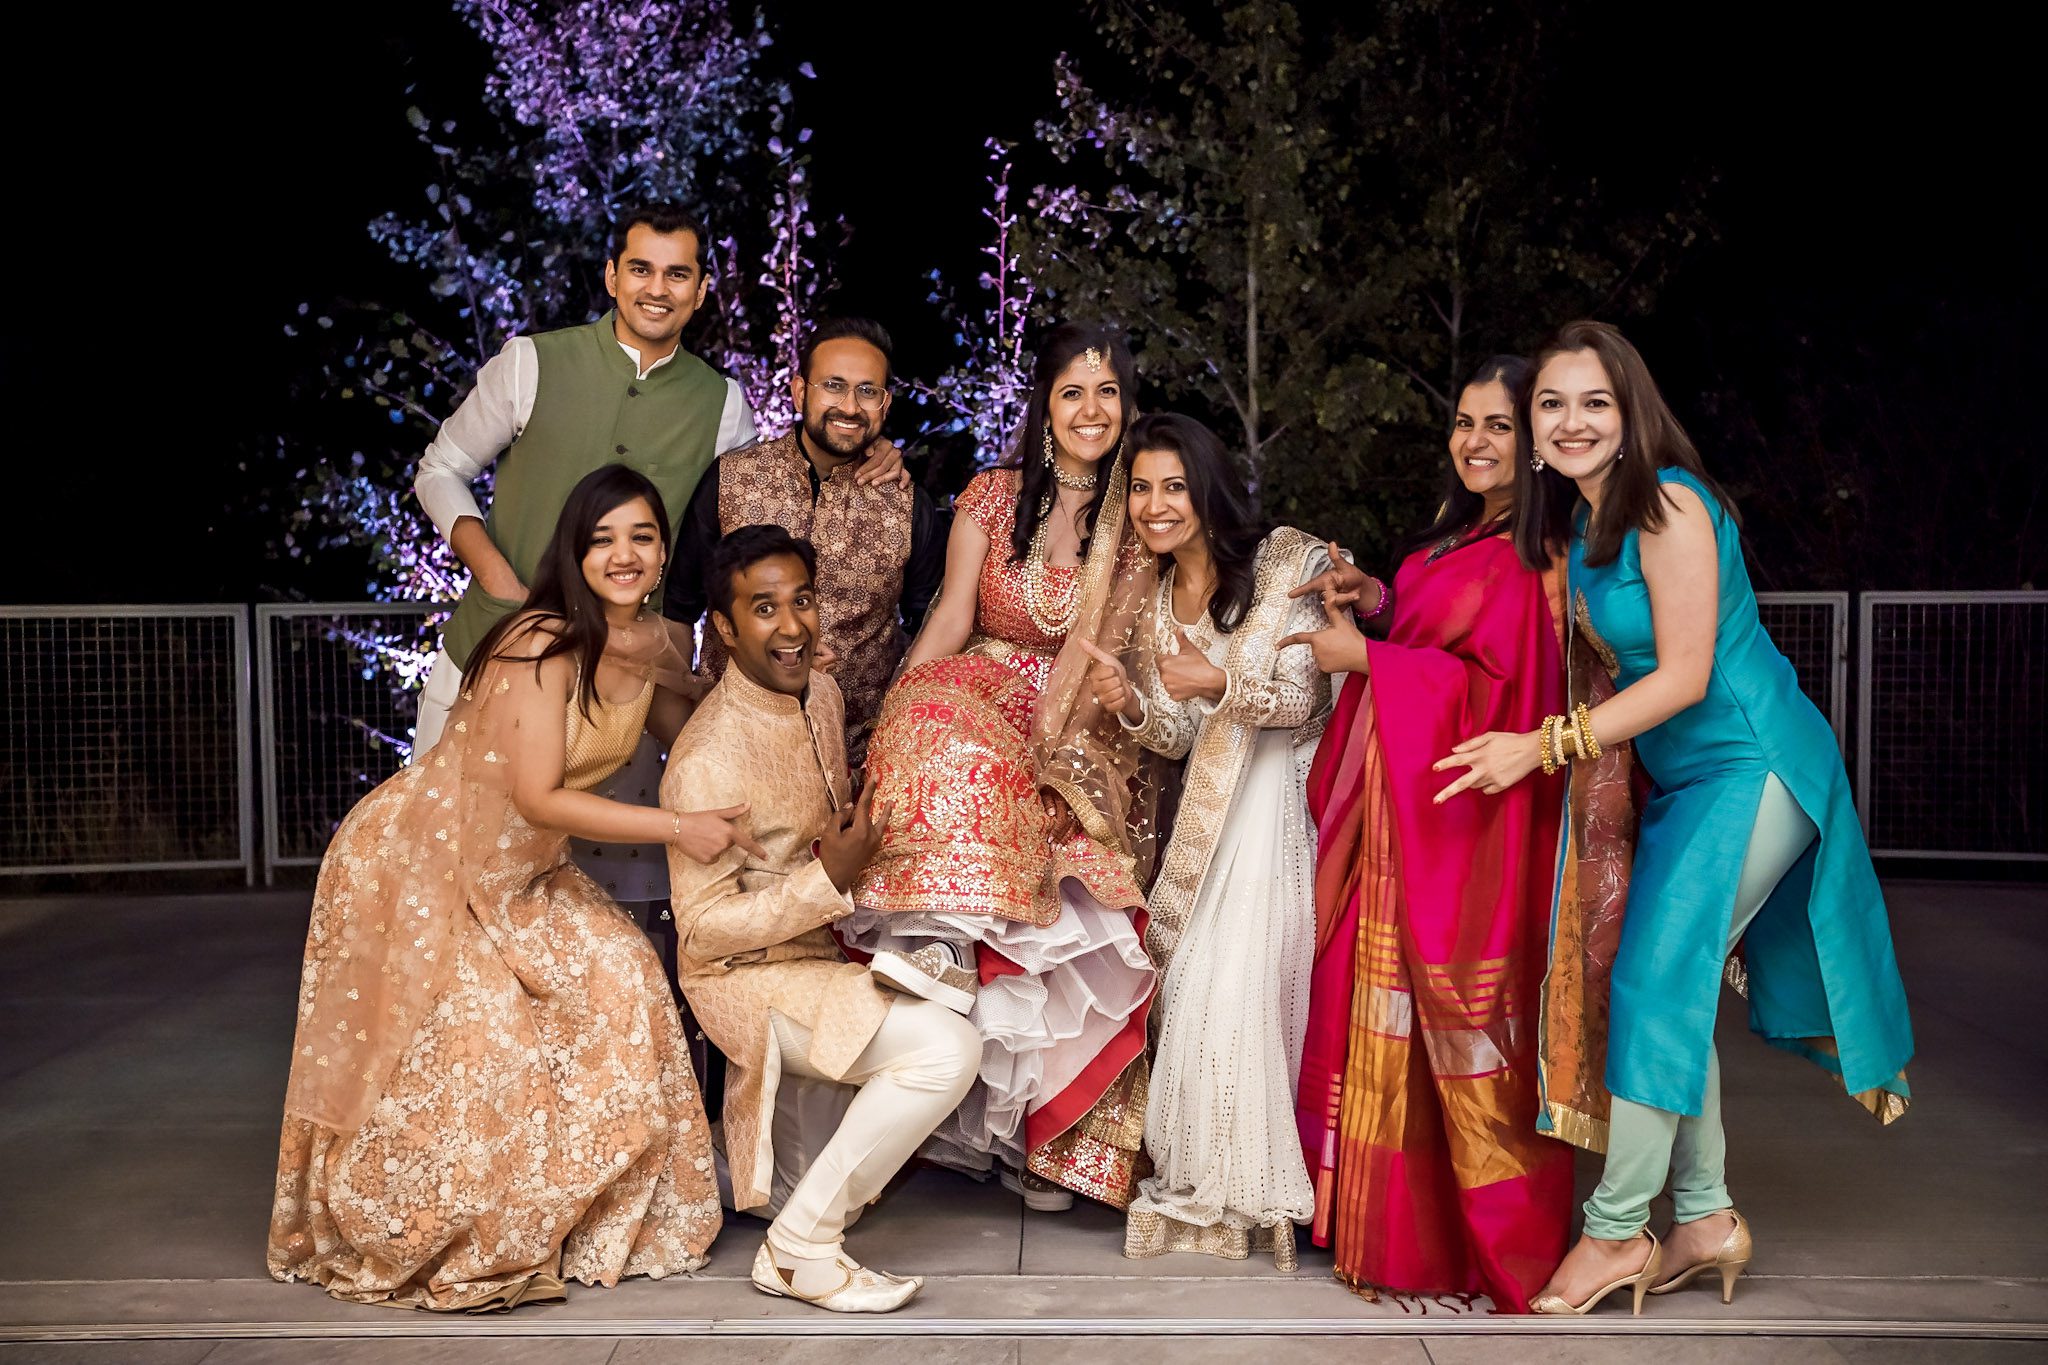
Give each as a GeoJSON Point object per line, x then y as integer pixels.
{"type": "Point", "coordinates": [1822, 978]}
{"type": "Point", "coordinates": [590, 409]}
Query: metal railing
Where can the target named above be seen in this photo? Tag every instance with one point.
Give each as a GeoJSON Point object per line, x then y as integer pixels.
{"type": "Point", "coordinates": [147, 738]}
{"type": "Point", "coordinates": [1952, 724]}
{"type": "Point", "coordinates": [332, 723]}
{"type": "Point", "coordinates": [127, 739]}
{"type": "Point", "coordinates": [1812, 630]}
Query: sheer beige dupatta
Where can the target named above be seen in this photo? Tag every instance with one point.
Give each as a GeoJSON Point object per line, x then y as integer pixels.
{"type": "Point", "coordinates": [1080, 750]}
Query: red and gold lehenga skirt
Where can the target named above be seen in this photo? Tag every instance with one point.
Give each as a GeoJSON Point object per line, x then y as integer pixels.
{"type": "Point", "coordinates": [1056, 920]}
{"type": "Point", "coordinates": [1419, 1091]}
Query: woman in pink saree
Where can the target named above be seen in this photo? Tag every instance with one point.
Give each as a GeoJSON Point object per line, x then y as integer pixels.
{"type": "Point", "coordinates": [1419, 1096]}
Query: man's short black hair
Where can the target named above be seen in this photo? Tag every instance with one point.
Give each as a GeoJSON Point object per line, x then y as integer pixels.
{"type": "Point", "coordinates": [663, 218]}
{"type": "Point", "coordinates": [740, 550]}
{"type": "Point", "coordinates": [841, 329]}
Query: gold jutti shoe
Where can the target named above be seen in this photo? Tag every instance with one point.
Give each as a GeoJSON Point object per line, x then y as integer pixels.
{"type": "Point", "coordinates": [860, 1289]}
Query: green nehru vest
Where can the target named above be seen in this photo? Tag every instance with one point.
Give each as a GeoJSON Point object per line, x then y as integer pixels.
{"type": "Point", "coordinates": [589, 410]}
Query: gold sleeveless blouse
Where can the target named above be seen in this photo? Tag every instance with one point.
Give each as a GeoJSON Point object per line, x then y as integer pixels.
{"type": "Point", "coordinates": [597, 746]}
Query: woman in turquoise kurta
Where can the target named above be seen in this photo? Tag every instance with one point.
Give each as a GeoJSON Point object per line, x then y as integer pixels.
{"type": "Point", "coordinates": [1748, 835]}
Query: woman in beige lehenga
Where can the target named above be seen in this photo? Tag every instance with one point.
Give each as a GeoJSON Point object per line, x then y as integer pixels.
{"type": "Point", "coordinates": [490, 1092]}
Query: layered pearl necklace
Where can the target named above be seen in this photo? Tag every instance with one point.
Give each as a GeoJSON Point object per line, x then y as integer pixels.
{"type": "Point", "coordinates": [1038, 573]}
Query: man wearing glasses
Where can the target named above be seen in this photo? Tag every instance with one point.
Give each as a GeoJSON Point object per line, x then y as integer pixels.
{"type": "Point", "coordinates": [881, 546]}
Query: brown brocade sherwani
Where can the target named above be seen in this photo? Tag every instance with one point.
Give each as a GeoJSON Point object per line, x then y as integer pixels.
{"type": "Point", "coordinates": [754, 935]}
{"type": "Point", "coordinates": [863, 539]}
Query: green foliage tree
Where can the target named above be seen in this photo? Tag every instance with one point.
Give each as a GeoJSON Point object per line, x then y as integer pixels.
{"type": "Point", "coordinates": [1312, 231]}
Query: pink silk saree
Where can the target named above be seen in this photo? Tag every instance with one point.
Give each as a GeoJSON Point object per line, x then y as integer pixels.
{"type": "Point", "coordinates": [1418, 1096]}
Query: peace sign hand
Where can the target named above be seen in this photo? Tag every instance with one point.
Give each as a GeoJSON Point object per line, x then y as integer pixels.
{"type": "Point", "coordinates": [1110, 682]}
{"type": "Point", "coordinates": [1342, 577]}
{"type": "Point", "coordinates": [1493, 762]}
{"type": "Point", "coordinates": [1339, 647]}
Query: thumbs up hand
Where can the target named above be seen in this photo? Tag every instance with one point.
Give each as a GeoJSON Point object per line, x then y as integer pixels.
{"type": "Point", "coordinates": [1185, 672]}
{"type": "Point", "coordinates": [1110, 682]}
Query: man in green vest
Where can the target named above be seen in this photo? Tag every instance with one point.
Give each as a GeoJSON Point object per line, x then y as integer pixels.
{"type": "Point", "coordinates": [547, 410]}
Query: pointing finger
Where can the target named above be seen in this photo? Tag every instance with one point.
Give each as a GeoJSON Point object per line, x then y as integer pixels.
{"type": "Point", "coordinates": [1100, 655]}
{"type": "Point", "coordinates": [1448, 792]}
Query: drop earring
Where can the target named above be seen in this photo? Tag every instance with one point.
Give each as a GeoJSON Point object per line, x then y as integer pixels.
{"type": "Point", "coordinates": [1537, 463]}
{"type": "Point", "coordinates": [1046, 432]}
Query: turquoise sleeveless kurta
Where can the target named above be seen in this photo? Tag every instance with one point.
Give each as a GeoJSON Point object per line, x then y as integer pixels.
{"type": "Point", "coordinates": [1822, 978]}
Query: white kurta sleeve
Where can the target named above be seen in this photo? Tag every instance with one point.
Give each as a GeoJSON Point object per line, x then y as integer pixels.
{"type": "Point", "coordinates": [481, 429]}
{"type": "Point", "coordinates": [736, 421]}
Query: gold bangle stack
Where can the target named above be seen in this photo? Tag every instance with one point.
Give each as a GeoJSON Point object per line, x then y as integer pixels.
{"type": "Point", "coordinates": [1546, 746]}
{"type": "Point", "coordinates": [1582, 732]}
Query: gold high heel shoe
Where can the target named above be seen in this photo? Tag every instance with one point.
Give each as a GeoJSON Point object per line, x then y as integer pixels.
{"type": "Point", "coordinates": [1556, 1305]}
{"type": "Point", "coordinates": [1733, 1255]}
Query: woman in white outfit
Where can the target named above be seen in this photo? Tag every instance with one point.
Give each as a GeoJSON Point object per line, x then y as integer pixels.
{"type": "Point", "coordinates": [1232, 914]}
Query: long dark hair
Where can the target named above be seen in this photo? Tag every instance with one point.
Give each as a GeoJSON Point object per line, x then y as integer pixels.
{"type": "Point", "coordinates": [574, 617]}
{"type": "Point", "coordinates": [1220, 499]}
{"type": "Point", "coordinates": [1651, 439]}
{"type": "Point", "coordinates": [1057, 351]}
{"type": "Point", "coordinates": [1459, 508]}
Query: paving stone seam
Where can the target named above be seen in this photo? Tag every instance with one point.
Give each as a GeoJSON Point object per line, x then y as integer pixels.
{"type": "Point", "coordinates": [1036, 1328]}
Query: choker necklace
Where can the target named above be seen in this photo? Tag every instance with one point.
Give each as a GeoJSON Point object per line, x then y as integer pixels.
{"type": "Point", "coordinates": [1080, 483]}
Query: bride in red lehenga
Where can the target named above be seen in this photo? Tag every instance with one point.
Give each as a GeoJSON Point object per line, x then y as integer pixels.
{"type": "Point", "coordinates": [1009, 885]}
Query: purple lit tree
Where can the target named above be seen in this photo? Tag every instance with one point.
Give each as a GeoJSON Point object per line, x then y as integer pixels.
{"type": "Point", "coordinates": [984, 393]}
{"type": "Point", "coordinates": [596, 105]}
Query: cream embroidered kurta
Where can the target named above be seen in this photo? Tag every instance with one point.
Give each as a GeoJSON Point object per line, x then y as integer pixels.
{"type": "Point", "coordinates": [753, 935]}
{"type": "Point", "coordinates": [1232, 928]}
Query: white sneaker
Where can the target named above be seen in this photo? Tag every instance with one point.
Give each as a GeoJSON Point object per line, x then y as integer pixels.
{"type": "Point", "coordinates": [935, 972]}
{"type": "Point", "coordinates": [1039, 1194]}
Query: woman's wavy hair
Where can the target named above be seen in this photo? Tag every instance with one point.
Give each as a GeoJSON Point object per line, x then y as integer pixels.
{"type": "Point", "coordinates": [1057, 351]}
{"type": "Point", "coordinates": [1651, 439]}
{"type": "Point", "coordinates": [572, 616]}
{"type": "Point", "coordinates": [1220, 499]}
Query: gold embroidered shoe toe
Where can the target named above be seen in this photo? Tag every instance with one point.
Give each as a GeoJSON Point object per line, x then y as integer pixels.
{"type": "Point", "coordinates": [1039, 1194]}
{"type": "Point", "coordinates": [848, 1286]}
{"type": "Point", "coordinates": [934, 972]}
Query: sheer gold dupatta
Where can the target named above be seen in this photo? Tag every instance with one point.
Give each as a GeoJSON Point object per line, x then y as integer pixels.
{"type": "Point", "coordinates": [1080, 750]}
{"type": "Point", "coordinates": [400, 875]}
{"type": "Point", "coordinates": [1596, 850]}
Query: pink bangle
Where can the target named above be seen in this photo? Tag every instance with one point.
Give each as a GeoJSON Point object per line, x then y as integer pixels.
{"type": "Point", "coordinates": [1378, 606]}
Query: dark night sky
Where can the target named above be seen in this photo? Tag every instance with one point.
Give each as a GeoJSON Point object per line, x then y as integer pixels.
{"type": "Point", "coordinates": [185, 197]}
